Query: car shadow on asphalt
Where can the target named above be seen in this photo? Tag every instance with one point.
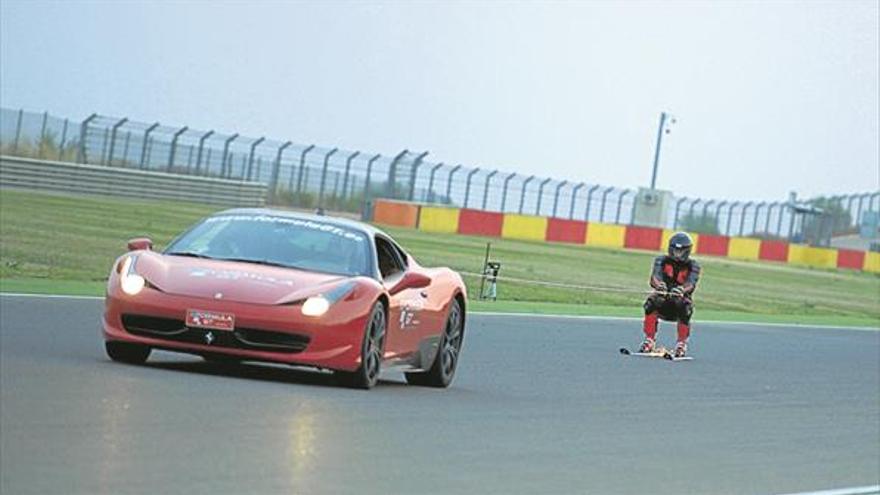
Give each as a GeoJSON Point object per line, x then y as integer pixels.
{"type": "Point", "coordinates": [261, 372]}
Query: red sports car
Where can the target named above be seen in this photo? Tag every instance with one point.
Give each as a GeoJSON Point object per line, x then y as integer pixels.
{"type": "Point", "coordinates": [283, 287]}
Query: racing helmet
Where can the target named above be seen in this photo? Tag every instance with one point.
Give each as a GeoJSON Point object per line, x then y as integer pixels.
{"type": "Point", "coordinates": [680, 245]}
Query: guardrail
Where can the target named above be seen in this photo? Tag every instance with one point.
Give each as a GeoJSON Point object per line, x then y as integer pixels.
{"type": "Point", "coordinates": [28, 173]}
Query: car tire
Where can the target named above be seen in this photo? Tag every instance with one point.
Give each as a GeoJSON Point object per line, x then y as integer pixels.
{"type": "Point", "coordinates": [442, 371]}
{"type": "Point", "coordinates": [125, 352]}
{"type": "Point", "coordinates": [367, 374]}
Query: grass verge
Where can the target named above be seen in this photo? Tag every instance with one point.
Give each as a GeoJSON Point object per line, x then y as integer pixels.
{"type": "Point", "coordinates": [51, 243]}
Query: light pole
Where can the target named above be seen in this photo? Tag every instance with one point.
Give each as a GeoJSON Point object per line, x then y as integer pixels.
{"type": "Point", "coordinates": [661, 130]}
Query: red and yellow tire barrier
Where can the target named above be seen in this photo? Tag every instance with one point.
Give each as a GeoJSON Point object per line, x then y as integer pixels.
{"type": "Point", "coordinates": [524, 227]}
{"type": "Point", "coordinates": [872, 262]}
{"type": "Point", "coordinates": [647, 238]}
{"type": "Point", "coordinates": [812, 256]}
{"type": "Point", "coordinates": [773, 251]}
{"type": "Point", "coordinates": [572, 231]}
{"type": "Point", "coordinates": [476, 222]}
{"type": "Point", "coordinates": [606, 235]}
{"type": "Point", "coordinates": [396, 213]}
{"type": "Point", "coordinates": [744, 248]}
{"type": "Point", "coordinates": [713, 245]}
{"type": "Point", "coordinates": [533, 228]}
{"type": "Point", "coordinates": [443, 220]}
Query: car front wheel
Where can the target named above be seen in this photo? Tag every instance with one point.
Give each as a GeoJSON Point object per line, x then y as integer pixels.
{"type": "Point", "coordinates": [125, 352]}
{"type": "Point", "coordinates": [367, 375]}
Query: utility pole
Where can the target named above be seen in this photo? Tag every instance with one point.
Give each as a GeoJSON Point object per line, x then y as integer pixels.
{"type": "Point", "coordinates": [661, 129]}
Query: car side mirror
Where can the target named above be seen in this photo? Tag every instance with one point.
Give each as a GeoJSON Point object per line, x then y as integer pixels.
{"type": "Point", "coordinates": [140, 243]}
{"type": "Point", "coordinates": [410, 280]}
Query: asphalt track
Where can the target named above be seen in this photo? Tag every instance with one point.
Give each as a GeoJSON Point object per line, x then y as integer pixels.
{"type": "Point", "coordinates": [540, 405]}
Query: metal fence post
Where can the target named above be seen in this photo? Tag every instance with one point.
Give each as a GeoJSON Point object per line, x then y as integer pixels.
{"type": "Point", "coordinates": [173, 151]}
{"type": "Point", "coordinates": [718, 214]}
{"type": "Point", "coordinates": [324, 176]}
{"type": "Point", "coordinates": [125, 148]}
{"type": "Point", "coordinates": [541, 195]}
{"type": "Point", "coordinates": [414, 172]}
{"type": "Point", "coordinates": [116, 127]}
{"type": "Point", "coordinates": [17, 130]}
{"type": "Point", "coordinates": [63, 140]}
{"type": "Point", "coordinates": [467, 189]}
{"type": "Point", "coordinates": [250, 164]}
{"type": "Point", "coordinates": [574, 193]}
{"type": "Point", "coordinates": [757, 215]}
{"type": "Point", "coordinates": [449, 182]}
{"type": "Point", "coordinates": [604, 197]}
{"type": "Point", "coordinates": [391, 185]}
{"type": "Point", "coordinates": [347, 171]}
{"type": "Point", "coordinates": [486, 188]}
{"type": "Point", "coordinates": [83, 131]}
{"type": "Point", "coordinates": [42, 135]}
{"type": "Point", "coordinates": [522, 196]}
{"type": "Point", "coordinates": [224, 160]}
{"type": "Point", "coordinates": [677, 209]}
{"type": "Point", "coordinates": [779, 223]}
{"type": "Point", "coordinates": [620, 204]}
{"type": "Point", "coordinates": [742, 219]}
{"type": "Point", "coordinates": [556, 196]}
{"type": "Point", "coordinates": [144, 145]}
{"type": "Point", "coordinates": [769, 213]}
{"type": "Point", "coordinates": [202, 139]}
{"type": "Point", "coordinates": [504, 191]}
{"type": "Point", "coordinates": [430, 197]}
{"type": "Point", "coordinates": [276, 169]}
{"type": "Point", "coordinates": [849, 208]}
{"type": "Point", "coordinates": [367, 186]}
{"type": "Point", "coordinates": [299, 174]}
{"type": "Point", "coordinates": [590, 192]}
{"type": "Point", "coordinates": [859, 211]}
{"type": "Point", "coordinates": [730, 216]}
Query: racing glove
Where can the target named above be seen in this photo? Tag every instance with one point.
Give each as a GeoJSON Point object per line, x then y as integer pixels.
{"type": "Point", "coordinates": [660, 286]}
{"type": "Point", "coordinates": [677, 292]}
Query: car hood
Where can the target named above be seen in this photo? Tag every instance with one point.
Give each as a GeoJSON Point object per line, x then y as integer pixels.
{"type": "Point", "coordinates": [232, 280]}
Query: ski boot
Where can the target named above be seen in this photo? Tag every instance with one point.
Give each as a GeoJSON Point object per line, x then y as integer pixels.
{"type": "Point", "coordinates": [680, 349]}
{"type": "Point", "coordinates": [648, 346]}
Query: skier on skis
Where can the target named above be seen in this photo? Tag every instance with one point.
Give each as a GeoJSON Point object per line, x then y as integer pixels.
{"type": "Point", "coordinates": [674, 279]}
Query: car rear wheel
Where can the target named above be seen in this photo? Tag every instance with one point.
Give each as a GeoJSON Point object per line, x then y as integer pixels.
{"type": "Point", "coordinates": [125, 352]}
{"type": "Point", "coordinates": [367, 375]}
{"type": "Point", "coordinates": [445, 363]}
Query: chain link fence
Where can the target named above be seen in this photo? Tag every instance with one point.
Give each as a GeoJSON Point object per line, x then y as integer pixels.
{"type": "Point", "coordinates": [311, 176]}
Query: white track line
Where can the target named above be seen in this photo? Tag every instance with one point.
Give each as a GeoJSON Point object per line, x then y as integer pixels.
{"type": "Point", "coordinates": [49, 296]}
{"type": "Point", "coordinates": [532, 315]}
{"type": "Point", "coordinates": [714, 322]}
{"type": "Point", "coordinates": [857, 490]}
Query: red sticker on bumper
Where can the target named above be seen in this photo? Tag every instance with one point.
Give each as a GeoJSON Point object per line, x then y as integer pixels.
{"type": "Point", "coordinates": [210, 319]}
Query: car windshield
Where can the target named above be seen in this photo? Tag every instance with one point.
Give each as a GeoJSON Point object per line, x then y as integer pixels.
{"type": "Point", "coordinates": [280, 241]}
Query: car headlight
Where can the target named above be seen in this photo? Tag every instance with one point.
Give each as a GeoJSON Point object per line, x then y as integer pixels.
{"type": "Point", "coordinates": [131, 283]}
{"type": "Point", "coordinates": [320, 304]}
{"type": "Point", "coordinates": [315, 306]}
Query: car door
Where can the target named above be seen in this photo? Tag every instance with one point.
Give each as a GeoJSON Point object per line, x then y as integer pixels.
{"type": "Point", "coordinates": [400, 340]}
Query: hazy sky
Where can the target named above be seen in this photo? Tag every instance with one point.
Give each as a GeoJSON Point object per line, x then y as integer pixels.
{"type": "Point", "coordinates": [770, 96]}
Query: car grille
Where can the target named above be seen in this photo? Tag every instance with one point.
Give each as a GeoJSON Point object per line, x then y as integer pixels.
{"type": "Point", "coordinates": [241, 338]}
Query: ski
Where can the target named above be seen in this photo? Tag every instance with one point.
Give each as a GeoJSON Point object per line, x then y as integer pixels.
{"type": "Point", "coordinates": [659, 352]}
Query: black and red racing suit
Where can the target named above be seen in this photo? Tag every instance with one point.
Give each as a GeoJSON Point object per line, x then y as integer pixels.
{"type": "Point", "coordinates": [671, 273]}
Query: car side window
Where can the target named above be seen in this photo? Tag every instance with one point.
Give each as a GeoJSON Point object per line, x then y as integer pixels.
{"type": "Point", "coordinates": [401, 255]}
{"type": "Point", "coordinates": [389, 261]}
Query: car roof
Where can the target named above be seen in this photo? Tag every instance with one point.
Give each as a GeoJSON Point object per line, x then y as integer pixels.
{"type": "Point", "coordinates": [330, 220]}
